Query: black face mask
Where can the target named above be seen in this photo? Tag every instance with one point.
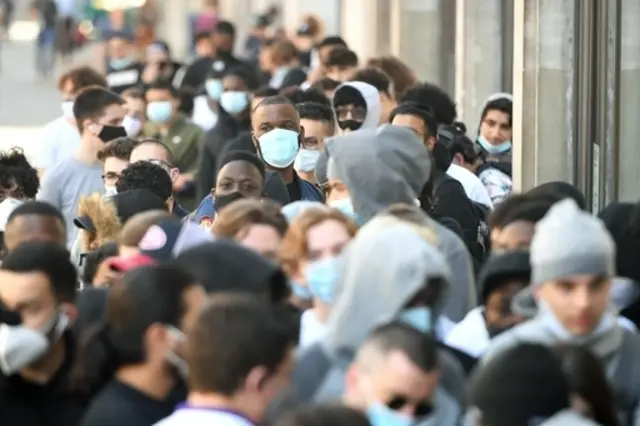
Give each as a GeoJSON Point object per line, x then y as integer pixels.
{"type": "Point", "coordinates": [349, 125]}
{"type": "Point", "coordinates": [109, 133]}
{"type": "Point", "coordinates": [222, 201]}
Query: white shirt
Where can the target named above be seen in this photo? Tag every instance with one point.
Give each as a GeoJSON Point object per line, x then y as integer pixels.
{"type": "Point", "coordinates": [202, 114]}
{"type": "Point", "coordinates": [203, 417]}
{"type": "Point", "coordinates": [311, 329]}
{"type": "Point", "coordinates": [471, 183]}
{"type": "Point", "coordinates": [58, 141]}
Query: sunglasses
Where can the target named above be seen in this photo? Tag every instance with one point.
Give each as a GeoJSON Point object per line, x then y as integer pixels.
{"type": "Point", "coordinates": [420, 409]}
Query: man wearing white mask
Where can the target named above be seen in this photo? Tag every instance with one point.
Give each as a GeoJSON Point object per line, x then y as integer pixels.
{"type": "Point", "coordinates": [278, 135]}
{"type": "Point", "coordinates": [37, 295]}
{"type": "Point", "coordinates": [60, 137]}
{"type": "Point", "coordinates": [319, 123]}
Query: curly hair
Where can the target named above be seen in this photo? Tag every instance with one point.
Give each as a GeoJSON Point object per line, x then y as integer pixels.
{"type": "Point", "coordinates": [145, 175]}
{"type": "Point", "coordinates": [18, 178]}
{"type": "Point", "coordinates": [120, 148]}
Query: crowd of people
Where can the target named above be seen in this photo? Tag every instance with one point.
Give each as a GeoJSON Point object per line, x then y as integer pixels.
{"type": "Point", "coordinates": [300, 237]}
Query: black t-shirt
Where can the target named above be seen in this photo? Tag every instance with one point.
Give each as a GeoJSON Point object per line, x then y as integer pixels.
{"type": "Point", "coordinates": [196, 73]}
{"type": "Point", "coordinates": [24, 403]}
{"type": "Point", "coordinates": [294, 188]}
{"type": "Point", "coordinates": [126, 78]}
{"type": "Point", "coordinates": [120, 404]}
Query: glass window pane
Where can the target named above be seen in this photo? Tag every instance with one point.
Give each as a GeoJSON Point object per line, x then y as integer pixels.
{"type": "Point", "coordinates": [629, 172]}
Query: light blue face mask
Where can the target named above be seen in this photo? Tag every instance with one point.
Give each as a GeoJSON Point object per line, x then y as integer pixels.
{"type": "Point", "coordinates": [120, 63]}
{"type": "Point", "coordinates": [381, 415]}
{"type": "Point", "coordinates": [300, 291]}
{"type": "Point", "coordinates": [345, 206]}
{"type": "Point", "coordinates": [159, 111]}
{"type": "Point", "coordinates": [418, 318]}
{"type": "Point", "coordinates": [322, 276]}
{"type": "Point", "coordinates": [279, 147]}
{"type": "Point", "coordinates": [234, 102]}
{"type": "Point", "coordinates": [214, 89]}
{"type": "Point", "coordinates": [494, 149]}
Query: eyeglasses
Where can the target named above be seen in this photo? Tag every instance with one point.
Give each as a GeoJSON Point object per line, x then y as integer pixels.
{"type": "Point", "coordinates": [162, 164]}
{"type": "Point", "coordinates": [420, 409]}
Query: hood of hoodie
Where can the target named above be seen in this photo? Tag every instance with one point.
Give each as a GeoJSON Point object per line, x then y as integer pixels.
{"type": "Point", "coordinates": [380, 167]}
{"type": "Point", "coordinates": [380, 272]}
{"type": "Point", "coordinates": [371, 98]}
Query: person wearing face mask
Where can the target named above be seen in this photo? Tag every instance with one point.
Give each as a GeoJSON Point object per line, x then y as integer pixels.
{"type": "Point", "coordinates": [131, 366]}
{"type": "Point", "coordinates": [115, 158]}
{"type": "Point", "coordinates": [357, 106]}
{"type": "Point", "coordinates": [501, 278]}
{"type": "Point", "coordinates": [60, 137]}
{"type": "Point", "coordinates": [277, 135]}
{"type": "Point", "coordinates": [136, 111]}
{"type": "Point", "coordinates": [234, 117]}
{"type": "Point", "coordinates": [572, 267]}
{"type": "Point", "coordinates": [206, 103]}
{"type": "Point", "coordinates": [241, 175]}
{"type": "Point", "coordinates": [394, 379]}
{"type": "Point", "coordinates": [224, 39]}
{"type": "Point", "coordinates": [309, 254]}
{"type": "Point", "coordinates": [123, 70]}
{"type": "Point", "coordinates": [494, 140]}
{"type": "Point", "coordinates": [37, 294]}
{"type": "Point", "coordinates": [183, 138]}
{"type": "Point", "coordinates": [227, 386]}
{"type": "Point", "coordinates": [319, 123]}
{"type": "Point", "coordinates": [98, 114]}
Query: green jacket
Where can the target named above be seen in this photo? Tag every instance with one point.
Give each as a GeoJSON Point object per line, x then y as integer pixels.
{"type": "Point", "coordinates": [183, 139]}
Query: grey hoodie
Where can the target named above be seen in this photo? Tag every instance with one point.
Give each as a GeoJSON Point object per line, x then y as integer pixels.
{"type": "Point", "coordinates": [380, 272]}
{"type": "Point", "coordinates": [371, 98]}
{"type": "Point", "coordinates": [617, 348]}
{"type": "Point", "coordinates": [390, 165]}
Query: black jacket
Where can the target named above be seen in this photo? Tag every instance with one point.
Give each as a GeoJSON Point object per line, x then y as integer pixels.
{"type": "Point", "coordinates": [216, 140]}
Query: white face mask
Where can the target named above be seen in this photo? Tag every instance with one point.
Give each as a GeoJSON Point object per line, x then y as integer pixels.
{"type": "Point", "coordinates": [306, 160]}
{"type": "Point", "coordinates": [132, 125]}
{"type": "Point", "coordinates": [67, 109]}
{"type": "Point", "coordinates": [110, 190]}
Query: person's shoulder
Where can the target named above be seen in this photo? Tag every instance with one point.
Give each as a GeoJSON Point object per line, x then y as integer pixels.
{"type": "Point", "coordinates": [524, 332]}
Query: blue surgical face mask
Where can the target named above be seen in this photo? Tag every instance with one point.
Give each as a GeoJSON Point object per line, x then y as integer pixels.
{"type": "Point", "coordinates": [418, 318]}
{"type": "Point", "coordinates": [120, 63]}
{"type": "Point", "coordinates": [302, 292]}
{"type": "Point", "coordinates": [322, 276]}
{"type": "Point", "coordinates": [345, 206]}
{"type": "Point", "coordinates": [214, 89]}
{"type": "Point", "coordinates": [381, 415]}
{"type": "Point", "coordinates": [234, 102]}
{"type": "Point", "coordinates": [494, 149]}
{"type": "Point", "coordinates": [306, 160]}
{"type": "Point", "coordinates": [279, 147]}
{"type": "Point", "coordinates": [159, 111]}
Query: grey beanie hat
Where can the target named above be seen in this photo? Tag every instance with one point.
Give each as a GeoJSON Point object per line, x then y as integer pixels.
{"type": "Point", "coordinates": [569, 241]}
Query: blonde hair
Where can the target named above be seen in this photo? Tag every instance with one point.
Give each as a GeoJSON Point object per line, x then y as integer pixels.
{"type": "Point", "coordinates": [385, 220]}
{"type": "Point", "coordinates": [104, 216]}
{"type": "Point", "coordinates": [243, 213]}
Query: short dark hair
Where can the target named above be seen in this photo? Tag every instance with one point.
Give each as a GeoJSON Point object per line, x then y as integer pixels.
{"type": "Point", "coordinates": [342, 57]}
{"type": "Point", "coordinates": [81, 78]}
{"type": "Point", "coordinates": [429, 94]}
{"type": "Point", "coordinates": [420, 348]}
{"type": "Point", "coordinates": [274, 100]}
{"type": "Point", "coordinates": [325, 84]}
{"type": "Point", "coordinates": [93, 259]}
{"type": "Point", "coordinates": [265, 92]}
{"type": "Point", "coordinates": [324, 415]}
{"type": "Point", "coordinates": [317, 112]}
{"type": "Point", "coordinates": [505, 208]}
{"type": "Point", "coordinates": [148, 176]}
{"type": "Point", "coordinates": [421, 111]}
{"type": "Point", "coordinates": [246, 156]}
{"type": "Point", "coordinates": [119, 148]}
{"type": "Point", "coordinates": [134, 92]}
{"type": "Point", "coordinates": [165, 86]}
{"type": "Point", "coordinates": [298, 96]}
{"type": "Point", "coordinates": [376, 78]}
{"type": "Point", "coordinates": [217, 352]}
{"type": "Point", "coordinates": [91, 103]}
{"type": "Point", "coordinates": [500, 104]}
{"type": "Point", "coordinates": [38, 208]}
{"type": "Point", "coordinates": [202, 35]}
{"type": "Point", "coordinates": [531, 211]}
{"type": "Point", "coordinates": [331, 41]}
{"type": "Point", "coordinates": [18, 179]}
{"type": "Point", "coordinates": [50, 259]}
{"type": "Point", "coordinates": [226, 28]}
{"type": "Point", "coordinates": [244, 73]}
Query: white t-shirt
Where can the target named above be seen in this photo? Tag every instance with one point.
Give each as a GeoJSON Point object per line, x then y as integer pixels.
{"type": "Point", "coordinates": [471, 183]}
{"type": "Point", "coordinates": [311, 330]}
{"type": "Point", "coordinates": [59, 140]}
